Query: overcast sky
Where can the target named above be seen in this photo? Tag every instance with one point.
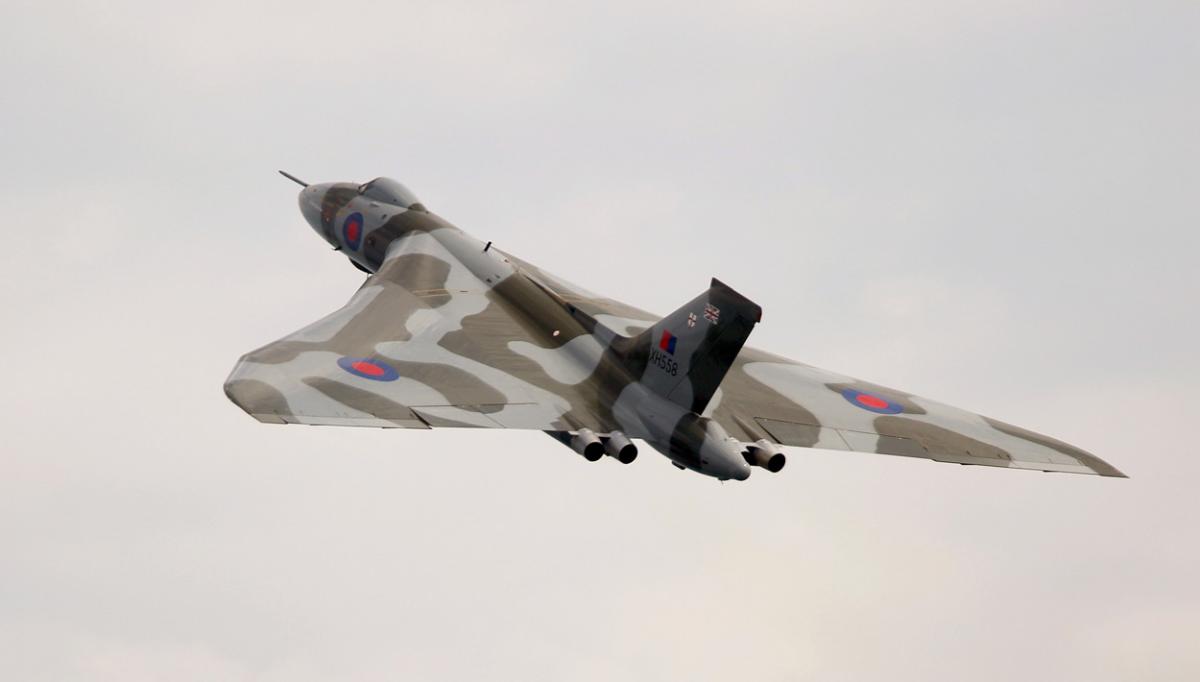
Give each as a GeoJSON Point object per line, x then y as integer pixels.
{"type": "Point", "coordinates": [994, 205]}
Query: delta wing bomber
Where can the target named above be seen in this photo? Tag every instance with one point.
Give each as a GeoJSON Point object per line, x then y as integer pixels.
{"type": "Point", "coordinates": [449, 331]}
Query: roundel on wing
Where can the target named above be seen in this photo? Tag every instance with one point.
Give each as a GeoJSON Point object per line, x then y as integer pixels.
{"type": "Point", "coordinates": [871, 402]}
{"type": "Point", "coordinates": [352, 231]}
{"type": "Point", "coordinates": [368, 368]}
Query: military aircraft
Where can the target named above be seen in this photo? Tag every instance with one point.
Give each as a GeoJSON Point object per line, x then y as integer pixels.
{"type": "Point", "coordinates": [450, 331]}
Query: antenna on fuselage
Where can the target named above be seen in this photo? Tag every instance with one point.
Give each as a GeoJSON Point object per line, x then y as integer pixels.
{"type": "Point", "coordinates": [293, 178]}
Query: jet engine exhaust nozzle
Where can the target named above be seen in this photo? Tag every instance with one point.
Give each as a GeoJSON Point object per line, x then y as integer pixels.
{"type": "Point", "coordinates": [763, 453]}
{"type": "Point", "coordinates": [619, 447]}
{"type": "Point", "coordinates": [588, 444]}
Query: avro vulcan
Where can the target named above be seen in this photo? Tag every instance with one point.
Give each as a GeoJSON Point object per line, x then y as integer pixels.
{"type": "Point", "coordinates": [450, 331]}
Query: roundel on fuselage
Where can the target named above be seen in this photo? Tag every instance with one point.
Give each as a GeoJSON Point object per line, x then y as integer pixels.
{"type": "Point", "coordinates": [352, 231]}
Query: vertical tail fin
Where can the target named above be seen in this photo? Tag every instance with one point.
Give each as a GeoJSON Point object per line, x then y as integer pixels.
{"type": "Point", "coordinates": [685, 355]}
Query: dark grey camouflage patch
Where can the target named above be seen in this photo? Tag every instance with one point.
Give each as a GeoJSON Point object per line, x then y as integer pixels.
{"type": "Point", "coordinates": [423, 275]}
{"type": "Point", "coordinates": [758, 400]}
{"type": "Point", "coordinates": [459, 386]}
{"type": "Point", "coordinates": [259, 399]}
{"type": "Point", "coordinates": [1085, 458]}
{"type": "Point", "coordinates": [377, 241]}
{"type": "Point", "coordinates": [784, 432]}
{"type": "Point", "coordinates": [382, 319]}
{"type": "Point", "coordinates": [937, 440]}
{"type": "Point", "coordinates": [363, 401]}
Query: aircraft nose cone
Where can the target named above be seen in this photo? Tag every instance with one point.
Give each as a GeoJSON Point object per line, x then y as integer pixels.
{"type": "Point", "coordinates": [312, 200]}
{"type": "Point", "coordinates": [310, 205]}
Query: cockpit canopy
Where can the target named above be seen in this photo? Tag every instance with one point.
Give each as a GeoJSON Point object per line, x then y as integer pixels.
{"type": "Point", "coordinates": [388, 191]}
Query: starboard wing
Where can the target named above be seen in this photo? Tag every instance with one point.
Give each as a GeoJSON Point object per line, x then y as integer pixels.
{"type": "Point", "coordinates": [765, 396]}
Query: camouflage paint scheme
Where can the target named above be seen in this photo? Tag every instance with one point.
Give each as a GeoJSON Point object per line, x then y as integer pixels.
{"type": "Point", "coordinates": [450, 332]}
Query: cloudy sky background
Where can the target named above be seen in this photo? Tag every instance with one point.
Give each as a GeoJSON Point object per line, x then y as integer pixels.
{"type": "Point", "coordinates": [994, 205]}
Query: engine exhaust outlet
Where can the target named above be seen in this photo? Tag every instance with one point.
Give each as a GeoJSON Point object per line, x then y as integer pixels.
{"type": "Point", "coordinates": [763, 453]}
{"type": "Point", "coordinates": [588, 444]}
{"type": "Point", "coordinates": [619, 447]}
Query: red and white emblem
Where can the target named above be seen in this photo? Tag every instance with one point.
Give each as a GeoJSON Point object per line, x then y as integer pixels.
{"type": "Point", "coordinates": [712, 313]}
{"type": "Point", "coordinates": [691, 319]}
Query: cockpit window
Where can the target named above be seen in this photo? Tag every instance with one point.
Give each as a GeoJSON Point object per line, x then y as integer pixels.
{"type": "Point", "coordinates": [388, 191]}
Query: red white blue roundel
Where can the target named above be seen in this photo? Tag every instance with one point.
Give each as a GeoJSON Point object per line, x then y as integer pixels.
{"type": "Point", "coordinates": [352, 230]}
{"type": "Point", "coordinates": [872, 402]}
{"type": "Point", "coordinates": [367, 368]}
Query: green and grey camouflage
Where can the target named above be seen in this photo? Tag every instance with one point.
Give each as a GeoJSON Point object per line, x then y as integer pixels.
{"type": "Point", "coordinates": [450, 332]}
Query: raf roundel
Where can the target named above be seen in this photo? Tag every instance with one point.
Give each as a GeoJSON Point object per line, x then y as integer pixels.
{"type": "Point", "coordinates": [352, 230]}
{"type": "Point", "coordinates": [872, 402]}
{"type": "Point", "coordinates": [367, 368]}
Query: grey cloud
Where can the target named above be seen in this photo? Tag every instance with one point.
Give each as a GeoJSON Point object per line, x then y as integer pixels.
{"type": "Point", "coordinates": [993, 206]}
